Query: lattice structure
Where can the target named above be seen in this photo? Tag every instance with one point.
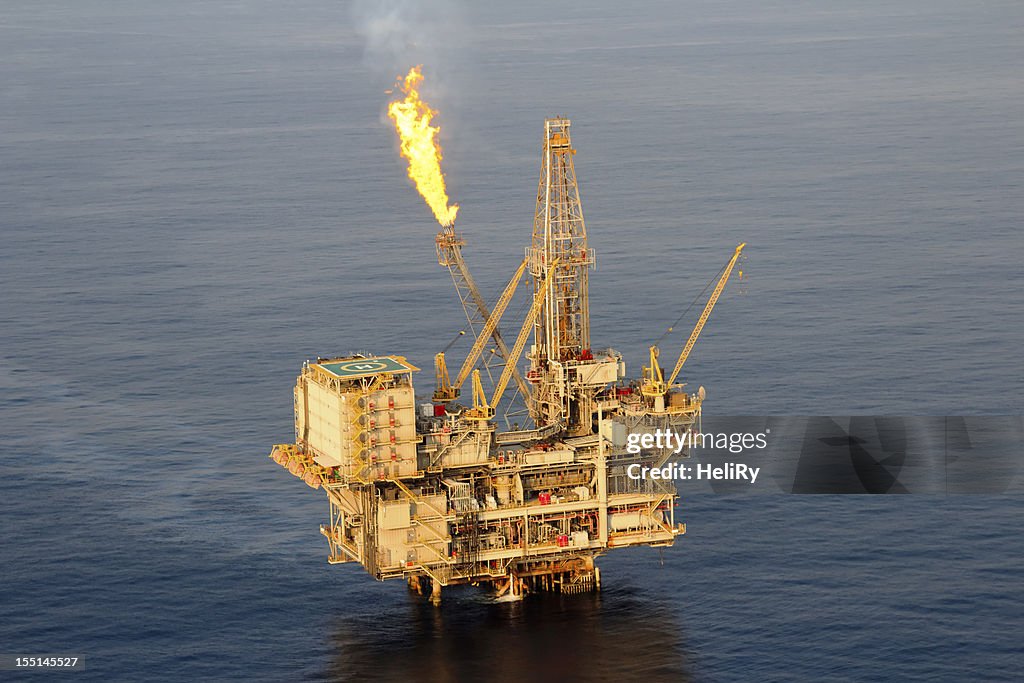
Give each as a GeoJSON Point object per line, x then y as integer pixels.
{"type": "Point", "coordinates": [449, 254]}
{"type": "Point", "coordinates": [562, 331]}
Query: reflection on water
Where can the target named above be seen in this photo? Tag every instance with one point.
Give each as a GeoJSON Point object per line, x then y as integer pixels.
{"type": "Point", "coordinates": [609, 636]}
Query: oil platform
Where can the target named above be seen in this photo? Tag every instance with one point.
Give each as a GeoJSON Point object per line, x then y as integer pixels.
{"type": "Point", "coordinates": [434, 492]}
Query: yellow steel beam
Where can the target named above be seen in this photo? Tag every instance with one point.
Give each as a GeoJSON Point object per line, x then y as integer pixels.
{"type": "Point", "coordinates": [443, 389]}
{"type": "Point", "coordinates": [449, 254]}
{"type": "Point", "coordinates": [480, 406]}
{"type": "Point", "coordinates": [524, 333]}
{"type": "Point", "coordinates": [654, 381]}
{"type": "Point", "coordinates": [704, 316]}
{"type": "Point", "coordinates": [489, 327]}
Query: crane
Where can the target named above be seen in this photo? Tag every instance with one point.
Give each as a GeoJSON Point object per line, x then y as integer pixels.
{"type": "Point", "coordinates": [482, 410]}
{"type": "Point", "coordinates": [446, 391]}
{"type": "Point", "coordinates": [449, 254]}
{"type": "Point", "coordinates": [654, 383]}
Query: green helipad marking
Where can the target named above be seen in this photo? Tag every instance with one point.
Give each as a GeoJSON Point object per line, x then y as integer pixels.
{"type": "Point", "coordinates": [365, 366]}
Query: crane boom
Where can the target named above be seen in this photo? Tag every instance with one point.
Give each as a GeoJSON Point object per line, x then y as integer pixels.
{"type": "Point", "coordinates": [481, 409]}
{"type": "Point", "coordinates": [449, 254]}
{"type": "Point", "coordinates": [704, 316]}
{"type": "Point", "coordinates": [444, 391]}
{"type": "Point", "coordinates": [524, 333]}
{"type": "Point", "coordinates": [490, 325]}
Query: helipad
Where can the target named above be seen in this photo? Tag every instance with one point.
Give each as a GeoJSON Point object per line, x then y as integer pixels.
{"type": "Point", "coordinates": [361, 367]}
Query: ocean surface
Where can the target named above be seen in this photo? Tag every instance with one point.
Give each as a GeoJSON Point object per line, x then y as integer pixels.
{"type": "Point", "coordinates": [196, 197]}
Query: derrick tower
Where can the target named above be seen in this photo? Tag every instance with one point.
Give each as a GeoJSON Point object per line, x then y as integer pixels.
{"type": "Point", "coordinates": [562, 330]}
{"type": "Point", "coordinates": [563, 327]}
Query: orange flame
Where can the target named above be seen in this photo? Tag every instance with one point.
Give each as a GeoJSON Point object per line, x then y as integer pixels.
{"type": "Point", "coordinates": [420, 147]}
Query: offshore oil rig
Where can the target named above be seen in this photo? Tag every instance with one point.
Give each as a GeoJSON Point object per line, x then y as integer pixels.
{"type": "Point", "coordinates": [434, 492]}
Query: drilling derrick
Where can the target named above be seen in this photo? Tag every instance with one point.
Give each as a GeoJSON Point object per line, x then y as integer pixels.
{"type": "Point", "coordinates": [561, 354]}
{"type": "Point", "coordinates": [433, 492]}
{"type": "Point", "coordinates": [563, 330]}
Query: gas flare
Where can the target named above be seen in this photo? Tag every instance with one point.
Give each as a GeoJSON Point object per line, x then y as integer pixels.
{"type": "Point", "coordinates": [419, 146]}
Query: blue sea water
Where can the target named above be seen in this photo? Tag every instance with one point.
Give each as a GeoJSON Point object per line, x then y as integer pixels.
{"type": "Point", "coordinates": [195, 197]}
